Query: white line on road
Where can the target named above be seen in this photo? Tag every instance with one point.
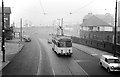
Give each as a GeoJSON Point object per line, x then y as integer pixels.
{"type": "Point", "coordinates": [94, 54]}
{"type": "Point", "coordinates": [52, 70]}
{"type": "Point", "coordinates": [82, 69]}
{"type": "Point", "coordinates": [39, 60]}
{"type": "Point", "coordinates": [52, 67]}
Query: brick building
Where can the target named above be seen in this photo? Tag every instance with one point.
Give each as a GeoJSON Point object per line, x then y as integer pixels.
{"type": "Point", "coordinates": [7, 12]}
{"type": "Point", "coordinates": [8, 29]}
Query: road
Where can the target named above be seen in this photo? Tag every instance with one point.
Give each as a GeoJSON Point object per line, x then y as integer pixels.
{"type": "Point", "coordinates": [37, 58]}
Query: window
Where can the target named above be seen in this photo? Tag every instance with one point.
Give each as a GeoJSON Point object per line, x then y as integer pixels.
{"type": "Point", "coordinates": [91, 28]}
{"type": "Point", "coordinates": [113, 61]}
{"type": "Point", "coordinates": [65, 44]}
{"type": "Point", "coordinates": [108, 38]}
{"type": "Point", "coordinates": [106, 60]}
{"type": "Point", "coordinates": [68, 44]}
{"type": "Point", "coordinates": [61, 44]}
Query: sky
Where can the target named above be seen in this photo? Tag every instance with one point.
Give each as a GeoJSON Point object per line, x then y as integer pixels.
{"type": "Point", "coordinates": [46, 12]}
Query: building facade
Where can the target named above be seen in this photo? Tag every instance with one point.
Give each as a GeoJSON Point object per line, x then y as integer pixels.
{"type": "Point", "coordinates": [8, 28]}
{"type": "Point", "coordinates": [7, 12]}
{"type": "Point", "coordinates": [96, 28]}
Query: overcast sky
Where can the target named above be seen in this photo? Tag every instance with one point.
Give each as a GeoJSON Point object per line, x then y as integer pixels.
{"type": "Point", "coordinates": [32, 10]}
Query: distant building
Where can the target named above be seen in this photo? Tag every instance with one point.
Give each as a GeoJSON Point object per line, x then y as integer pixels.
{"type": "Point", "coordinates": [8, 28]}
{"type": "Point", "coordinates": [108, 18]}
{"type": "Point", "coordinates": [119, 9]}
{"type": "Point", "coordinates": [7, 12]}
{"type": "Point", "coordinates": [95, 23]}
{"type": "Point", "coordinates": [98, 27]}
{"type": "Point", "coordinates": [119, 15]}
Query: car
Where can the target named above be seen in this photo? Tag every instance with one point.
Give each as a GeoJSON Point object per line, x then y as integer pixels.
{"type": "Point", "coordinates": [50, 41]}
{"type": "Point", "coordinates": [26, 38]}
{"type": "Point", "coordinates": [110, 62]}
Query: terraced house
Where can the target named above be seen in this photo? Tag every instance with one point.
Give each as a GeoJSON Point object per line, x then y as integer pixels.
{"type": "Point", "coordinates": [8, 28]}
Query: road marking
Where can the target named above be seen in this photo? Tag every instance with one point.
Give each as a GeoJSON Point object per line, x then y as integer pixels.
{"type": "Point", "coordinates": [40, 63]}
{"type": "Point", "coordinates": [94, 54]}
{"type": "Point", "coordinates": [81, 60]}
{"type": "Point", "coordinates": [40, 57]}
{"type": "Point", "coordinates": [51, 66]}
{"type": "Point", "coordinates": [52, 70]}
{"type": "Point", "coordinates": [82, 69]}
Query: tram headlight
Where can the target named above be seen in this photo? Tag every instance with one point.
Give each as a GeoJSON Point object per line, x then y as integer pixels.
{"type": "Point", "coordinates": [112, 67]}
{"type": "Point", "coordinates": [69, 51]}
{"type": "Point", "coordinates": [62, 51]}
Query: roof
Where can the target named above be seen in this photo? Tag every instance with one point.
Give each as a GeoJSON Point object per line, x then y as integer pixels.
{"type": "Point", "coordinates": [6, 10]}
{"type": "Point", "coordinates": [110, 57]}
{"type": "Point", "coordinates": [88, 16]}
{"type": "Point", "coordinates": [108, 18]}
{"type": "Point", "coordinates": [62, 38]}
{"type": "Point", "coordinates": [94, 21]}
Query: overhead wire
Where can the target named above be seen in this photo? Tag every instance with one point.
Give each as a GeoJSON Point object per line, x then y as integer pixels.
{"type": "Point", "coordinates": [42, 8]}
{"type": "Point", "coordinates": [84, 6]}
{"type": "Point", "coordinates": [76, 11]}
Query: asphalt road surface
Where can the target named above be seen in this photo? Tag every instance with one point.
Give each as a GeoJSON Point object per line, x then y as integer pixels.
{"type": "Point", "coordinates": [37, 58]}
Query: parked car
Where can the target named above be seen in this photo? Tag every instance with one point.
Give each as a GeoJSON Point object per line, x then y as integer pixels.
{"type": "Point", "coordinates": [110, 63]}
{"type": "Point", "coordinates": [50, 41]}
{"type": "Point", "coordinates": [26, 38]}
{"type": "Point", "coordinates": [0, 38]}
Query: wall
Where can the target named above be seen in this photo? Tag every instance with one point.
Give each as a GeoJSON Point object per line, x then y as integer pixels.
{"type": "Point", "coordinates": [106, 36]}
{"type": "Point", "coordinates": [105, 46]}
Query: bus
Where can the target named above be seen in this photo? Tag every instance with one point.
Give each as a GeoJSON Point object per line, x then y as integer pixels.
{"type": "Point", "coordinates": [62, 45]}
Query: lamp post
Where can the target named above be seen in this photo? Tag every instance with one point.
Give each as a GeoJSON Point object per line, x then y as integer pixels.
{"type": "Point", "coordinates": [115, 29]}
{"type": "Point", "coordinates": [3, 33]}
{"type": "Point", "coordinates": [62, 27]}
{"type": "Point", "coordinates": [21, 29]}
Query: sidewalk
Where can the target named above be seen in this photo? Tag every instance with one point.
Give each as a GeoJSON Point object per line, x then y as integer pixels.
{"type": "Point", "coordinates": [92, 51]}
{"type": "Point", "coordinates": [12, 47]}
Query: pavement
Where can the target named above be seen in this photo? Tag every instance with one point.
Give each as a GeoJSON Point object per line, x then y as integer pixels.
{"type": "Point", "coordinates": [92, 51]}
{"type": "Point", "coordinates": [12, 47]}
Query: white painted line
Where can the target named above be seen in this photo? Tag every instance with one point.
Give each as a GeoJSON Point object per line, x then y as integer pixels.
{"type": "Point", "coordinates": [81, 60]}
{"type": "Point", "coordinates": [52, 70]}
{"type": "Point", "coordinates": [94, 54]}
{"type": "Point", "coordinates": [83, 70]}
{"type": "Point", "coordinates": [40, 57]}
{"type": "Point", "coordinates": [52, 67]}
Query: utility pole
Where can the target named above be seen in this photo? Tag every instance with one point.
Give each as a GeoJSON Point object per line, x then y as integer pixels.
{"type": "Point", "coordinates": [115, 29]}
{"type": "Point", "coordinates": [21, 29]}
{"type": "Point", "coordinates": [58, 29]}
{"type": "Point", "coordinates": [62, 27]}
{"type": "Point", "coordinates": [3, 33]}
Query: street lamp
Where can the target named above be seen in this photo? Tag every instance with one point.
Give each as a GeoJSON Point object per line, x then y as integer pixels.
{"type": "Point", "coordinates": [3, 32]}
{"type": "Point", "coordinates": [115, 29]}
